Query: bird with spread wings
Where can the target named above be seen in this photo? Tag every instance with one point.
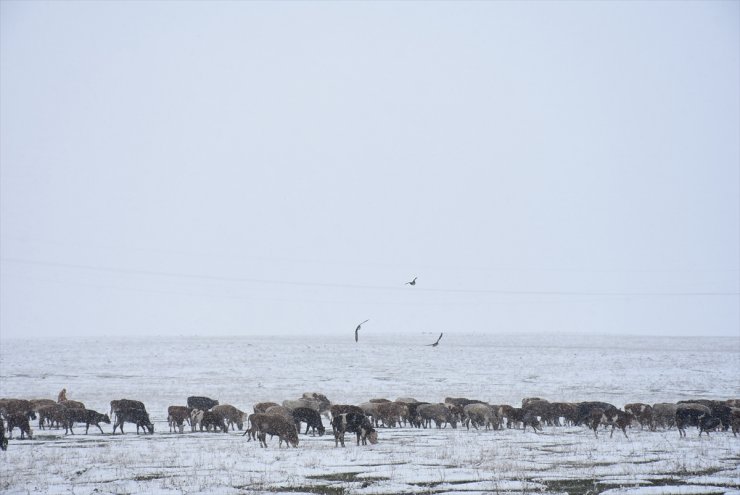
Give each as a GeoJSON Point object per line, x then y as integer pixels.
{"type": "Point", "coordinates": [438, 339]}
{"type": "Point", "coordinates": [357, 330]}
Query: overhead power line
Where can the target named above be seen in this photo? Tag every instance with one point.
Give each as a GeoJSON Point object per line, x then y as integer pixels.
{"type": "Point", "coordinates": [221, 278]}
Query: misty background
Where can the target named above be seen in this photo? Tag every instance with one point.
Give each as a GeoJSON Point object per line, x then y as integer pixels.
{"type": "Point", "coordinates": [238, 168]}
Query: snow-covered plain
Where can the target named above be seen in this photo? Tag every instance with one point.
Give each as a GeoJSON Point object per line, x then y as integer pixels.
{"type": "Point", "coordinates": [245, 370]}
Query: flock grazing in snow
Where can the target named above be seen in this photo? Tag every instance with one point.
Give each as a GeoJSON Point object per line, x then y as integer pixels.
{"type": "Point", "coordinates": [285, 420]}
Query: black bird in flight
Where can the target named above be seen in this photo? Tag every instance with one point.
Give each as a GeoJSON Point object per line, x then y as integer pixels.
{"type": "Point", "coordinates": [413, 282]}
{"type": "Point", "coordinates": [436, 343]}
{"type": "Point", "coordinates": [357, 337]}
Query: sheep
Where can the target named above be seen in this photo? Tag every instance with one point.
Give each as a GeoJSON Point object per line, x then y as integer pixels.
{"type": "Point", "coordinates": [115, 405]}
{"type": "Point", "coordinates": [566, 410]}
{"type": "Point", "coordinates": [664, 415]}
{"type": "Point", "coordinates": [309, 416]}
{"type": "Point", "coordinates": [507, 412]}
{"type": "Point", "coordinates": [51, 415]}
{"type": "Point", "coordinates": [133, 415]}
{"type": "Point", "coordinates": [413, 416]}
{"type": "Point", "coordinates": [439, 413]}
{"type": "Point", "coordinates": [618, 419]}
{"type": "Point", "coordinates": [480, 414]}
{"type": "Point", "coordinates": [369, 409]}
{"type": "Point", "coordinates": [391, 413]}
{"type": "Point", "coordinates": [264, 424]}
{"type": "Point", "coordinates": [353, 422]}
{"type": "Point", "coordinates": [693, 414]}
{"type": "Point", "coordinates": [20, 421]}
{"type": "Point", "coordinates": [74, 415]}
{"type": "Point", "coordinates": [643, 413]}
{"type": "Point", "coordinates": [721, 410]}
{"type": "Point", "coordinates": [231, 415]}
{"type": "Point", "coordinates": [177, 416]}
{"type": "Point", "coordinates": [540, 409]}
{"type": "Point", "coordinates": [196, 416]}
{"type": "Point", "coordinates": [212, 419]}
{"type": "Point", "coordinates": [584, 410]}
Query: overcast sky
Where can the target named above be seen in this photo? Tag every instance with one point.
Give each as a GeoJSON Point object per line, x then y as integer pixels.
{"type": "Point", "coordinates": [191, 168]}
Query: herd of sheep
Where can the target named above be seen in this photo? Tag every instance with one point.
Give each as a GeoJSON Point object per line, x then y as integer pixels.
{"type": "Point", "coordinates": [285, 420]}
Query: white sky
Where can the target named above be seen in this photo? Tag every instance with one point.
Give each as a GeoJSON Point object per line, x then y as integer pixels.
{"type": "Point", "coordinates": [254, 167]}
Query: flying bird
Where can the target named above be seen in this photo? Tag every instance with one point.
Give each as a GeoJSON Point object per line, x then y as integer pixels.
{"type": "Point", "coordinates": [413, 282]}
{"type": "Point", "coordinates": [357, 336]}
{"type": "Point", "coordinates": [436, 343]}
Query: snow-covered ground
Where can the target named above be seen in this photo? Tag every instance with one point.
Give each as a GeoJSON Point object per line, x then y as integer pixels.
{"type": "Point", "coordinates": [245, 370]}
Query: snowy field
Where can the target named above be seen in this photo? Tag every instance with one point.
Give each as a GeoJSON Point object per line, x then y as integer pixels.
{"type": "Point", "coordinates": [500, 369]}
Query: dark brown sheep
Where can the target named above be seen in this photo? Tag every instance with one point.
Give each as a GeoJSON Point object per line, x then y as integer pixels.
{"type": "Point", "coordinates": [213, 420]}
{"type": "Point", "coordinates": [74, 415]}
{"type": "Point", "coordinates": [115, 405]}
{"type": "Point", "coordinates": [20, 421]}
{"type": "Point", "coordinates": [51, 415]}
{"type": "Point", "coordinates": [440, 414]}
{"type": "Point", "coordinates": [133, 415]}
{"type": "Point", "coordinates": [232, 416]}
{"type": "Point", "coordinates": [266, 424]}
{"type": "Point", "coordinates": [311, 417]}
{"type": "Point", "coordinates": [177, 416]}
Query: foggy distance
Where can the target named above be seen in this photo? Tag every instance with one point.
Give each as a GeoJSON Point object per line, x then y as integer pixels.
{"type": "Point", "coordinates": [256, 168]}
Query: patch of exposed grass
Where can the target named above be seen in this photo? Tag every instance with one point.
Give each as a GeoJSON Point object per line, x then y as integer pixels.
{"type": "Point", "coordinates": [703, 472]}
{"type": "Point", "coordinates": [319, 489]}
{"type": "Point", "coordinates": [344, 477]}
{"type": "Point", "coordinates": [82, 446]}
{"type": "Point", "coordinates": [347, 477]}
{"type": "Point", "coordinates": [432, 484]}
{"type": "Point", "coordinates": [149, 477]}
{"type": "Point", "coordinates": [574, 486]}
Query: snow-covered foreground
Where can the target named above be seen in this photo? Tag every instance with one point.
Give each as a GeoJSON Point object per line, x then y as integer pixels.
{"type": "Point", "coordinates": [243, 371]}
